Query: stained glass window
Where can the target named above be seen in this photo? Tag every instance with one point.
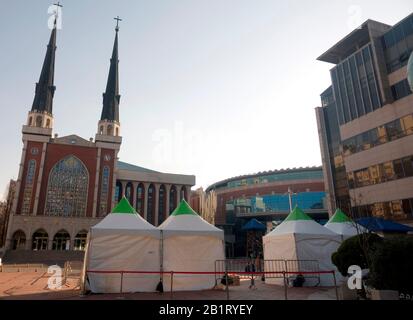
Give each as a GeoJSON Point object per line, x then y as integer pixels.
{"type": "Point", "coordinates": [104, 191]}
{"type": "Point", "coordinates": [161, 204]}
{"type": "Point", "coordinates": [140, 198]}
{"type": "Point", "coordinates": [67, 189]}
{"type": "Point", "coordinates": [172, 199]}
{"type": "Point", "coordinates": [151, 205]}
{"type": "Point", "coordinates": [28, 189]}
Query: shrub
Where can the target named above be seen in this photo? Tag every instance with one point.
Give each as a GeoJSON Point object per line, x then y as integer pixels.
{"type": "Point", "coordinates": [355, 251]}
{"type": "Point", "coordinates": [392, 265]}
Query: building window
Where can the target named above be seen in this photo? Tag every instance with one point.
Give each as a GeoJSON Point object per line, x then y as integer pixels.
{"type": "Point", "coordinates": [18, 240]}
{"type": "Point", "coordinates": [28, 189]}
{"type": "Point", "coordinates": [30, 121]}
{"type": "Point", "coordinates": [38, 121]}
{"type": "Point", "coordinates": [40, 240]}
{"type": "Point", "coordinates": [183, 192]}
{"type": "Point", "coordinates": [172, 199]}
{"type": "Point", "coordinates": [391, 170]}
{"type": "Point", "coordinates": [110, 130]}
{"type": "Point", "coordinates": [118, 191]}
{"type": "Point", "coordinates": [151, 204]}
{"type": "Point", "coordinates": [140, 199]}
{"type": "Point", "coordinates": [61, 241]}
{"type": "Point", "coordinates": [67, 189]}
{"type": "Point", "coordinates": [161, 204]}
{"type": "Point", "coordinates": [391, 131]}
{"type": "Point", "coordinates": [104, 191]}
{"type": "Point", "coordinates": [129, 191]}
{"type": "Point", "coordinates": [80, 241]}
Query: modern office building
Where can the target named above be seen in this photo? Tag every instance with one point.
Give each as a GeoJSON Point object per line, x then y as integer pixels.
{"type": "Point", "coordinates": [265, 196]}
{"type": "Point", "coordinates": [365, 122]}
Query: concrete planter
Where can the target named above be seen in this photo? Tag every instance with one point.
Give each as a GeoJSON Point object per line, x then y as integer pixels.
{"type": "Point", "coordinates": [384, 294]}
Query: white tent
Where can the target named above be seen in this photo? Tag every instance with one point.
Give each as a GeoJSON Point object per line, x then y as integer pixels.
{"type": "Point", "coordinates": [299, 237]}
{"type": "Point", "coordinates": [343, 225]}
{"type": "Point", "coordinates": [190, 244]}
{"type": "Point", "coordinates": [122, 241]}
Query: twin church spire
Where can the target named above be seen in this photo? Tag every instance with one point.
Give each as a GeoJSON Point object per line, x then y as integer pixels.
{"type": "Point", "coordinates": [41, 114]}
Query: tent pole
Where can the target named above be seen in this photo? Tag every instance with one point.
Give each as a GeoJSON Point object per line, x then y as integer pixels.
{"type": "Point", "coordinates": [159, 287]}
{"type": "Point", "coordinates": [84, 268]}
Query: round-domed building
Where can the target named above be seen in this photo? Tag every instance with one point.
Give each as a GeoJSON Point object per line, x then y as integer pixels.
{"type": "Point", "coordinates": [410, 71]}
{"type": "Point", "coordinates": [264, 196]}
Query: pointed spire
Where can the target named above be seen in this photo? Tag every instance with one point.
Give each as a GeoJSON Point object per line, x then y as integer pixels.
{"type": "Point", "coordinates": [297, 214]}
{"type": "Point", "coordinates": [111, 97]}
{"type": "Point", "coordinates": [124, 207]}
{"type": "Point", "coordinates": [43, 98]}
{"type": "Point", "coordinates": [339, 217]}
{"type": "Point", "coordinates": [183, 208]}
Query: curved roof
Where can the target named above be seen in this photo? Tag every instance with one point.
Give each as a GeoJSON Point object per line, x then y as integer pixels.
{"type": "Point", "coordinates": [223, 183]}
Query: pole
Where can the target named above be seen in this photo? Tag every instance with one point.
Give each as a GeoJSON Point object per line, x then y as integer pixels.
{"type": "Point", "coordinates": [335, 284]}
{"type": "Point", "coordinates": [172, 284]}
{"type": "Point", "coordinates": [226, 283]}
{"type": "Point", "coordinates": [290, 201]}
{"type": "Point", "coordinates": [121, 281]}
{"type": "Point", "coordinates": [285, 287]}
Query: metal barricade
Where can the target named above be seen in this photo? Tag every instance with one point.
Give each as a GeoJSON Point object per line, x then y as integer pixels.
{"type": "Point", "coordinates": [304, 266]}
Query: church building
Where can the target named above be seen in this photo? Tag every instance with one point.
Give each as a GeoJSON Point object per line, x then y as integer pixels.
{"type": "Point", "coordinates": [67, 184]}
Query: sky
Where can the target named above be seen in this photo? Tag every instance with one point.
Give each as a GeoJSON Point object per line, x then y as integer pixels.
{"type": "Point", "coordinates": [213, 88]}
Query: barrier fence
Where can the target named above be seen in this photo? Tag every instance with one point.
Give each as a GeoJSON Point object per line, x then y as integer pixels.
{"type": "Point", "coordinates": [273, 268]}
{"type": "Point", "coordinates": [224, 274]}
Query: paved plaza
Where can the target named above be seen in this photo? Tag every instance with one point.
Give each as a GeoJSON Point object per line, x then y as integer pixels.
{"type": "Point", "coordinates": [33, 286]}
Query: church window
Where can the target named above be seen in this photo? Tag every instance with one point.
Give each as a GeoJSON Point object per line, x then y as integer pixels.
{"type": "Point", "coordinates": [161, 204]}
{"type": "Point", "coordinates": [129, 192]}
{"type": "Point", "coordinates": [38, 121]}
{"type": "Point", "coordinates": [80, 241]}
{"type": "Point", "coordinates": [118, 192]}
{"type": "Point", "coordinates": [67, 189]}
{"type": "Point", "coordinates": [172, 199]}
{"type": "Point", "coordinates": [104, 191]}
{"type": "Point", "coordinates": [61, 241]}
{"type": "Point", "coordinates": [48, 123]}
{"type": "Point", "coordinates": [40, 240]}
{"type": "Point", "coordinates": [28, 189]}
{"type": "Point", "coordinates": [101, 130]}
{"type": "Point", "coordinates": [140, 198]}
{"type": "Point", "coordinates": [110, 130]}
{"type": "Point", "coordinates": [151, 204]}
{"type": "Point", "coordinates": [30, 121]}
{"type": "Point", "coordinates": [19, 240]}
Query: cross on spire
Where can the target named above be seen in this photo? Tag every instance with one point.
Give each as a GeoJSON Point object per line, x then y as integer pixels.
{"type": "Point", "coordinates": [117, 23]}
{"type": "Point", "coordinates": [58, 5]}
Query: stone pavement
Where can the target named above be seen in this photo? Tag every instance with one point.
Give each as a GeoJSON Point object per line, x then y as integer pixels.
{"type": "Point", "coordinates": [33, 286]}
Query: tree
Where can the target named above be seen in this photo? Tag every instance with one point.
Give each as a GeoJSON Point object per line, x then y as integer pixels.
{"type": "Point", "coordinates": [392, 265]}
{"type": "Point", "coordinates": [352, 252]}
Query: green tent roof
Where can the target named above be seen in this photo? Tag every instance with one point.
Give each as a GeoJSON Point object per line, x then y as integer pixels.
{"type": "Point", "coordinates": [339, 217]}
{"type": "Point", "coordinates": [297, 214]}
{"type": "Point", "coordinates": [183, 208]}
{"type": "Point", "coordinates": [124, 207]}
